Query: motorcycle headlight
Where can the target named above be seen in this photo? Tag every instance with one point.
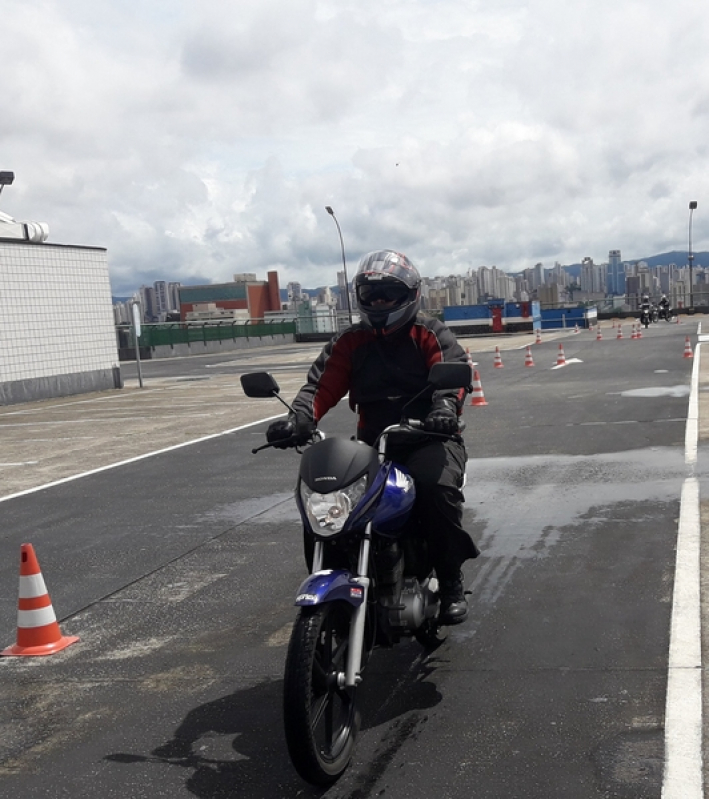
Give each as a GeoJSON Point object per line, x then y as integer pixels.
{"type": "Point", "coordinates": [327, 513]}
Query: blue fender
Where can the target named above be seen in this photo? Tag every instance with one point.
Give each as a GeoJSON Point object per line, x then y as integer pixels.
{"type": "Point", "coordinates": [327, 586]}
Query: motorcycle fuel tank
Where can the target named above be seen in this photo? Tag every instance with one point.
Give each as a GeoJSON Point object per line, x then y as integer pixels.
{"type": "Point", "coordinates": [396, 501]}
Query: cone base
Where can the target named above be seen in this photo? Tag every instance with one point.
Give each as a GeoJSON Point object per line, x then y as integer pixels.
{"type": "Point", "coordinates": [42, 649]}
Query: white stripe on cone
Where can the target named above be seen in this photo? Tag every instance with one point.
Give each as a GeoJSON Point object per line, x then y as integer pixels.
{"type": "Point", "coordinates": [36, 618]}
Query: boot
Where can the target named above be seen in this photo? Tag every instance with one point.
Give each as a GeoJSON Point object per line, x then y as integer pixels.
{"type": "Point", "coordinates": [454, 606]}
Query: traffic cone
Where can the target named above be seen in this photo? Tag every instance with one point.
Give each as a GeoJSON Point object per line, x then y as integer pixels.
{"type": "Point", "coordinates": [498, 359]}
{"type": "Point", "coordinates": [560, 358]}
{"type": "Point", "coordinates": [576, 328]}
{"type": "Point", "coordinates": [528, 360]}
{"type": "Point", "coordinates": [599, 337]}
{"type": "Point", "coordinates": [539, 336]}
{"type": "Point", "coordinates": [688, 348]}
{"type": "Point", "coordinates": [37, 630]}
{"type": "Point", "coordinates": [477, 398]}
{"type": "Point", "coordinates": [634, 333]}
{"type": "Point", "coordinates": [620, 332]}
{"type": "Point", "coordinates": [640, 331]}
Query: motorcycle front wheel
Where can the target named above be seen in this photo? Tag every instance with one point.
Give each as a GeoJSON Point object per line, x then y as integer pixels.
{"type": "Point", "coordinates": [321, 717]}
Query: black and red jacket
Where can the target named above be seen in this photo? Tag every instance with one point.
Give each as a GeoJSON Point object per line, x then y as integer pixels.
{"type": "Point", "coordinates": [381, 374]}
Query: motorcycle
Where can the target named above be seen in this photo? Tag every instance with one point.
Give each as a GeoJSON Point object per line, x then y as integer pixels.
{"type": "Point", "coordinates": [371, 583]}
{"type": "Point", "coordinates": [665, 313]}
{"type": "Point", "coordinates": [645, 317]}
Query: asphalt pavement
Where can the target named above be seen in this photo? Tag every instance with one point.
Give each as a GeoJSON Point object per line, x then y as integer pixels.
{"type": "Point", "coordinates": [190, 400]}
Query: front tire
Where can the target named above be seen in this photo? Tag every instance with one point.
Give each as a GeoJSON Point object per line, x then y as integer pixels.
{"type": "Point", "coordinates": [321, 718]}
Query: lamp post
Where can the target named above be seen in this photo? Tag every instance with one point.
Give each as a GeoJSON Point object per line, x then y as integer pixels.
{"type": "Point", "coordinates": [6, 179]}
{"type": "Point", "coordinates": [344, 265]}
{"type": "Point", "coordinates": [690, 257]}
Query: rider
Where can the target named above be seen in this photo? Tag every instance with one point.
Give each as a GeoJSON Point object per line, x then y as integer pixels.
{"type": "Point", "coordinates": [383, 361]}
{"type": "Point", "coordinates": [664, 306]}
{"type": "Point", "coordinates": [645, 306]}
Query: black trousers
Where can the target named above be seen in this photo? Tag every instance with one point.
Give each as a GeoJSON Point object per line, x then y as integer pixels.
{"type": "Point", "coordinates": [438, 469]}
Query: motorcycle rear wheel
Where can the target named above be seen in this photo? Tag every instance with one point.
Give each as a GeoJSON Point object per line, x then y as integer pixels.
{"type": "Point", "coordinates": [321, 719]}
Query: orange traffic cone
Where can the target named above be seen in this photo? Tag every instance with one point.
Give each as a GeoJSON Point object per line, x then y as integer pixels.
{"type": "Point", "coordinates": [528, 360]}
{"type": "Point", "coordinates": [599, 337]}
{"type": "Point", "coordinates": [576, 328]}
{"type": "Point", "coordinates": [498, 359]}
{"type": "Point", "coordinates": [688, 348]}
{"type": "Point", "coordinates": [620, 332]}
{"type": "Point", "coordinates": [634, 334]}
{"type": "Point", "coordinates": [539, 336]}
{"type": "Point", "coordinates": [561, 358]}
{"type": "Point", "coordinates": [477, 398]}
{"type": "Point", "coordinates": [37, 630]}
{"type": "Point", "coordinates": [640, 331]}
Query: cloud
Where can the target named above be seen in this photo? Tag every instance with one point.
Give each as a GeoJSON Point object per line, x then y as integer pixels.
{"type": "Point", "coordinates": [196, 141]}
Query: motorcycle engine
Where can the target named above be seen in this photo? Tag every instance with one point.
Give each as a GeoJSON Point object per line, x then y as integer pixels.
{"type": "Point", "coordinates": [416, 603]}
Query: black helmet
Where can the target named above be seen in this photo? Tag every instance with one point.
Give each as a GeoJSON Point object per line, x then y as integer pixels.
{"type": "Point", "coordinates": [388, 288]}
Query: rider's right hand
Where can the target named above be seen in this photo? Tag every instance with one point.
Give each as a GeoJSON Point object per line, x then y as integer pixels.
{"type": "Point", "coordinates": [280, 432]}
{"type": "Point", "coordinates": [291, 432]}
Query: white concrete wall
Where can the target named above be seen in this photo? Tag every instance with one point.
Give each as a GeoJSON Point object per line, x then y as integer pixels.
{"type": "Point", "coordinates": [57, 335]}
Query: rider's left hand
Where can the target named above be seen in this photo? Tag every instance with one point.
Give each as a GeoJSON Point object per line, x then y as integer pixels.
{"type": "Point", "coordinates": [443, 418]}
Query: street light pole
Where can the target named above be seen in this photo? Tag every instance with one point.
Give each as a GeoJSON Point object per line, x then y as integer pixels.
{"type": "Point", "coordinates": [344, 265]}
{"type": "Point", "coordinates": [692, 206]}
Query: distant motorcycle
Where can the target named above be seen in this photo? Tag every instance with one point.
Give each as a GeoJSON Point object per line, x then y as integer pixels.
{"type": "Point", "coordinates": [665, 312]}
{"type": "Point", "coordinates": [645, 317]}
{"type": "Point", "coordinates": [371, 584]}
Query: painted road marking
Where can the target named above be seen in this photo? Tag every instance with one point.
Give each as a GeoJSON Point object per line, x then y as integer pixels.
{"type": "Point", "coordinates": [137, 458]}
{"type": "Point", "coordinates": [683, 778]}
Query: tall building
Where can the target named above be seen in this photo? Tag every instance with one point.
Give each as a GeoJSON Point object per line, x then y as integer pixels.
{"type": "Point", "coordinates": [162, 301]}
{"type": "Point", "coordinates": [615, 276]}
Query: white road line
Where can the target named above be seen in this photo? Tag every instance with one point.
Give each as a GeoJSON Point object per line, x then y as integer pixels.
{"type": "Point", "coordinates": [137, 458]}
{"type": "Point", "coordinates": [683, 773]}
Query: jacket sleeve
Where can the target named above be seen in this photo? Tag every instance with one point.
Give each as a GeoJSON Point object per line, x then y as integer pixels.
{"type": "Point", "coordinates": [328, 379]}
{"type": "Point", "coordinates": [438, 343]}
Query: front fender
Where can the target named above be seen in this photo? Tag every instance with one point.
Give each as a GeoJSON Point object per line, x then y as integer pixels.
{"type": "Point", "coordinates": [329, 585]}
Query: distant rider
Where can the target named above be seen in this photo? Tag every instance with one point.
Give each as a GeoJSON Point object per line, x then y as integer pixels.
{"type": "Point", "coordinates": [383, 362]}
{"type": "Point", "coordinates": [664, 305]}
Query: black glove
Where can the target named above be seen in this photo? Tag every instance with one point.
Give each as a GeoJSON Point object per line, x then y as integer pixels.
{"type": "Point", "coordinates": [443, 418]}
{"type": "Point", "coordinates": [291, 432]}
{"type": "Point", "coordinates": [279, 433]}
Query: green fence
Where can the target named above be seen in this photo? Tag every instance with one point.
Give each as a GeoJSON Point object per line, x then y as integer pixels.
{"type": "Point", "coordinates": [171, 333]}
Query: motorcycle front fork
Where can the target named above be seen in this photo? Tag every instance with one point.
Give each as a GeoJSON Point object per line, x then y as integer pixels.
{"type": "Point", "coordinates": [351, 677]}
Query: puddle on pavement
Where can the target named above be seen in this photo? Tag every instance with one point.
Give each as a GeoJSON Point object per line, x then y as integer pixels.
{"type": "Point", "coordinates": [657, 391]}
{"type": "Point", "coordinates": [520, 506]}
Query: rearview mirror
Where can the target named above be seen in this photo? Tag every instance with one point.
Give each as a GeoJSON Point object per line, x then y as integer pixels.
{"type": "Point", "coordinates": [259, 384]}
{"type": "Point", "coordinates": [450, 375]}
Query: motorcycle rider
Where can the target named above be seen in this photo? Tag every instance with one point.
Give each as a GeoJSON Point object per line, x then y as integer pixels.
{"type": "Point", "coordinates": [664, 306]}
{"type": "Point", "coordinates": [383, 361]}
{"type": "Point", "coordinates": [645, 310]}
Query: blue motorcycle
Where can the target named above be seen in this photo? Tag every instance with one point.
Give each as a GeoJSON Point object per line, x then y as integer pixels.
{"type": "Point", "coordinates": [371, 582]}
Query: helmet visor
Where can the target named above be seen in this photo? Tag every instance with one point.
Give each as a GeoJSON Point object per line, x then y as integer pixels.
{"type": "Point", "coordinates": [395, 293]}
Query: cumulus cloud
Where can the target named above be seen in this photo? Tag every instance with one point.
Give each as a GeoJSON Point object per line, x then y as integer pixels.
{"type": "Point", "coordinates": [199, 140]}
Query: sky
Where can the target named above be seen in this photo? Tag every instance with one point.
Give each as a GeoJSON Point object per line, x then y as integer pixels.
{"type": "Point", "coordinates": [196, 140]}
